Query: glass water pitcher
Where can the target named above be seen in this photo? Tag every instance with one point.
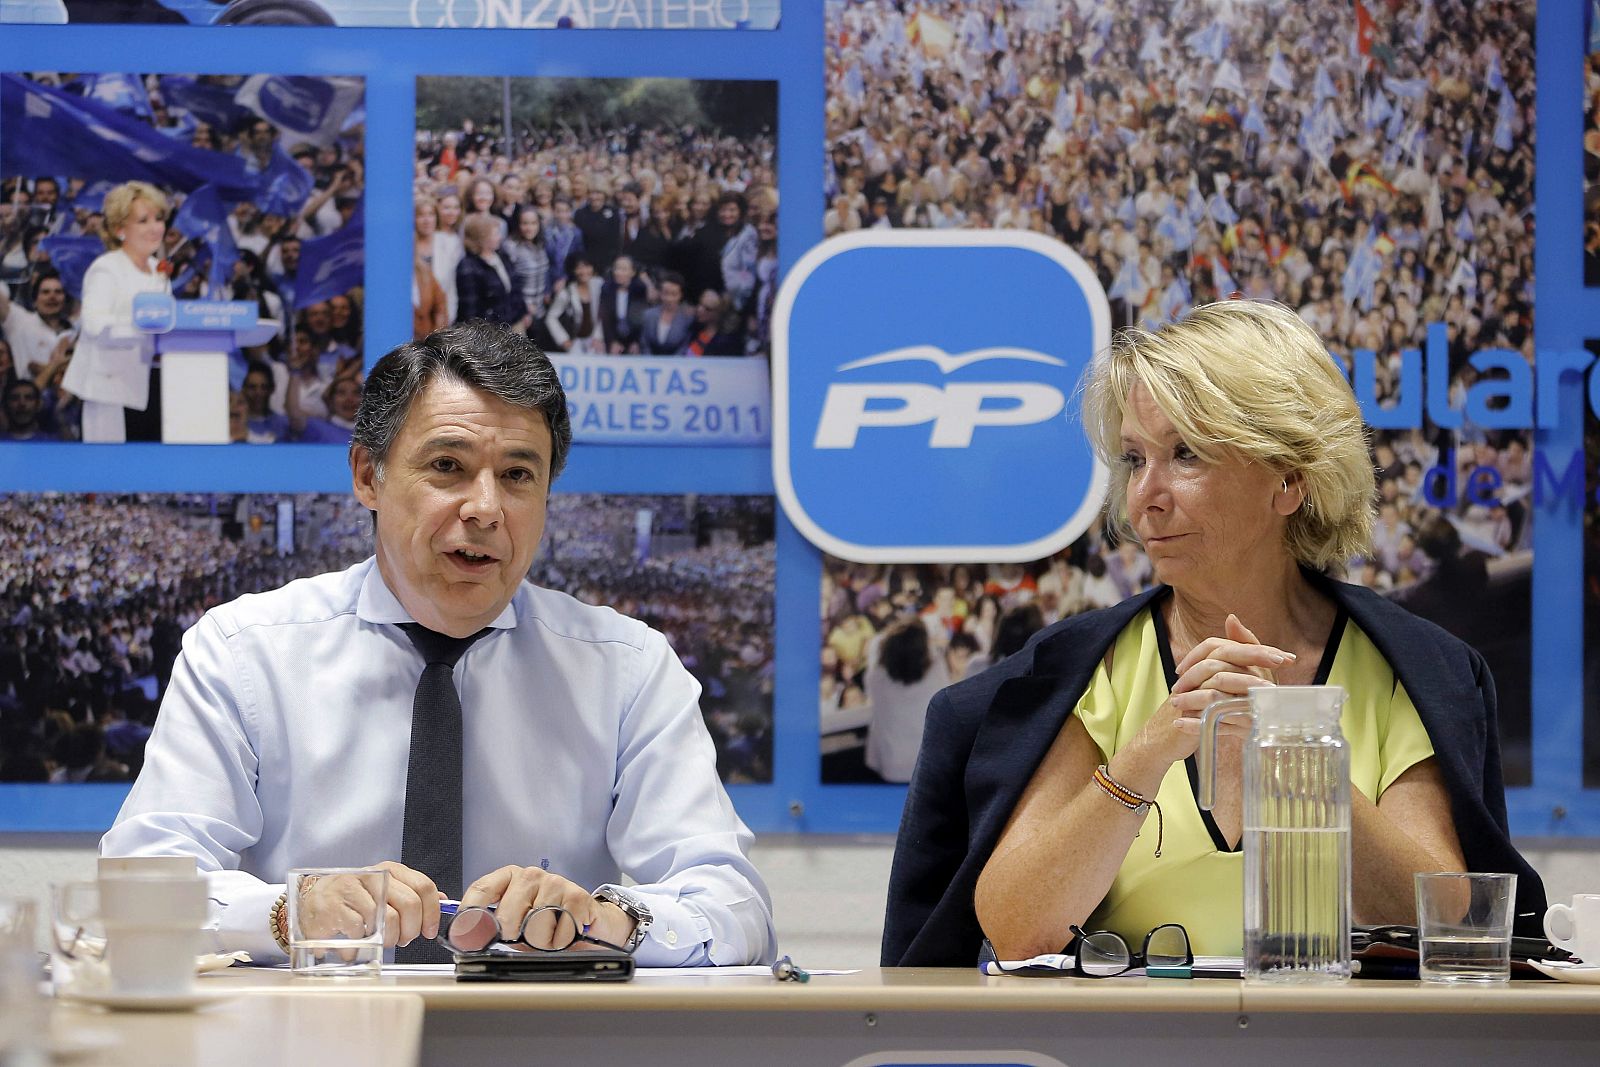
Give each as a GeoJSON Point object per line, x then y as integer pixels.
{"type": "Point", "coordinates": [1296, 830]}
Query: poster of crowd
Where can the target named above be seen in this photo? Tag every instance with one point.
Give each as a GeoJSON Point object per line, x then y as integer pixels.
{"type": "Point", "coordinates": [424, 14]}
{"type": "Point", "coordinates": [242, 192]}
{"type": "Point", "coordinates": [629, 226]}
{"type": "Point", "coordinates": [1367, 164]}
{"type": "Point", "coordinates": [97, 590]}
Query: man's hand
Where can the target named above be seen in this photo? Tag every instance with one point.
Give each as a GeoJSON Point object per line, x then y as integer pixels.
{"type": "Point", "coordinates": [516, 891]}
{"type": "Point", "coordinates": [340, 906]}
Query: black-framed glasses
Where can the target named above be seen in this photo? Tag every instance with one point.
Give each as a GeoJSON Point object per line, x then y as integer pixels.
{"type": "Point", "coordinates": [548, 928]}
{"type": "Point", "coordinates": [1103, 954]}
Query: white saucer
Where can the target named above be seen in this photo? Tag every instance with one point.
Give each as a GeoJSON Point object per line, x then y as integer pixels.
{"type": "Point", "coordinates": [1561, 970]}
{"type": "Point", "coordinates": [150, 1002]}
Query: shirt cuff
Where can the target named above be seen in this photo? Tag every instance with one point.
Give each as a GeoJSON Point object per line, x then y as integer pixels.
{"type": "Point", "coordinates": [679, 936]}
{"type": "Point", "coordinates": [242, 923]}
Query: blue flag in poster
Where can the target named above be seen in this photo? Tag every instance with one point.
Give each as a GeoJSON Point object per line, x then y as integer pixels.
{"type": "Point", "coordinates": [1397, 120]}
{"type": "Point", "coordinates": [52, 132]}
{"type": "Point", "coordinates": [1195, 205]}
{"type": "Point", "coordinates": [1229, 78]}
{"type": "Point", "coordinates": [1504, 116]}
{"type": "Point", "coordinates": [120, 92]}
{"type": "Point", "coordinates": [1176, 228]}
{"type": "Point", "coordinates": [1155, 41]}
{"type": "Point", "coordinates": [211, 104]}
{"type": "Point", "coordinates": [1379, 110]}
{"type": "Point", "coordinates": [333, 264]}
{"type": "Point", "coordinates": [1495, 78]}
{"type": "Point", "coordinates": [1210, 40]}
{"type": "Point", "coordinates": [1322, 84]}
{"type": "Point", "coordinates": [304, 108]}
{"type": "Point", "coordinates": [1128, 282]}
{"type": "Point", "coordinates": [1253, 120]}
{"type": "Point", "coordinates": [1410, 88]}
{"type": "Point", "coordinates": [204, 219]}
{"type": "Point", "coordinates": [1127, 212]}
{"type": "Point", "coordinates": [1464, 230]}
{"type": "Point", "coordinates": [1225, 283]}
{"type": "Point", "coordinates": [288, 186]}
{"type": "Point", "coordinates": [1279, 74]}
{"type": "Point", "coordinates": [1361, 276]}
{"type": "Point", "coordinates": [1175, 300]}
{"type": "Point", "coordinates": [72, 256]}
{"type": "Point", "coordinates": [854, 85]}
{"type": "Point", "coordinates": [92, 197]}
{"type": "Point", "coordinates": [1223, 211]}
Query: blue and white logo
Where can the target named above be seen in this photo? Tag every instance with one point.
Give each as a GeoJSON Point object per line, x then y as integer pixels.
{"type": "Point", "coordinates": [154, 312]}
{"type": "Point", "coordinates": [921, 395]}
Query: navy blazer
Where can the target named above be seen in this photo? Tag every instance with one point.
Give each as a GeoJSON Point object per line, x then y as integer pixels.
{"type": "Point", "coordinates": [987, 735]}
{"type": "Point", "coordinates": [482, 295]}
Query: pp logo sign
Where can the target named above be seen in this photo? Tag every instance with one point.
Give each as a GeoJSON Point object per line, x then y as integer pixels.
{"type": "Point", "coordinates": [921, 395]}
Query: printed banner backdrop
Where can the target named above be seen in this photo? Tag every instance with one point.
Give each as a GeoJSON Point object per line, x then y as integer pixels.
{"type": "Point", "coordinates": [421, 14]}
{"type": "Point", "coordinates": [1380, 183]}
{"type": "Point", "coordinates": [632, 217]}
{"type": "Point", "coordinates": [793, 57]}
{"type": "Point", "coordinates": [263, 177]}
{"type": "Point", "coordinates": [667, 400]}
{"type": "Point", "coordinates": [100, 588]}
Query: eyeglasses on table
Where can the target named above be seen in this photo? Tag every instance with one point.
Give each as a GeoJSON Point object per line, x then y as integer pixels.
{"type": "Point", "coordinates": [1103, 954]}
{"type": "Point", "coordinates": [548, 928]}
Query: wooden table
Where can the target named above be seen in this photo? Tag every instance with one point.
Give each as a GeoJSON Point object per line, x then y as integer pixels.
{"type": "Point", "coordinates": [260, 1028]}
{"type": "Point", "coordinates": [919, 1016]}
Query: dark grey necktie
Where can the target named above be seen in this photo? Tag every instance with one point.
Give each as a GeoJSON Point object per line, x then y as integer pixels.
{"type": "Point", "coordinates": [431, 842]}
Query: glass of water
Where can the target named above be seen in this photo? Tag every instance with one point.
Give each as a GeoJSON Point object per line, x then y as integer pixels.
{"type": "Point", "coordinates": [336, 917]}
{"type": "Point", "coordinates": [1464, 926]}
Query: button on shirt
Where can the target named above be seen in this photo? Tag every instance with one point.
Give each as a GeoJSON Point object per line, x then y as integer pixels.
{"type": "Point", "coordinates": [283, 739]}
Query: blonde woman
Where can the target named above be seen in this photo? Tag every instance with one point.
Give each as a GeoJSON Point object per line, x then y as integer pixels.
{"type": "Point", "coordinates": [113, 367]}
{"type": "Point", "coordinates": [1240, 463]}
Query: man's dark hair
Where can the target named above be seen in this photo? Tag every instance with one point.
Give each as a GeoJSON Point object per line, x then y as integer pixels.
{"type": "Point", "coordinates": [39, 278]}
{"type": "Point", "coordinates": [21, 383]}
{"type": "Point", "coordinates": [903, 651]}
{"type": "Point", "coordinates": [484, 355]}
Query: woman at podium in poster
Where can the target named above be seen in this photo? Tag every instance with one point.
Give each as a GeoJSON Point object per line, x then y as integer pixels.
{"type": "Point", "coordinates": [114, 364]}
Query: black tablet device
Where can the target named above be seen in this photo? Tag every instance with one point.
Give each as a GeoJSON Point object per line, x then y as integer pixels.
{"type": "Point", "coordinates": [568, 965]}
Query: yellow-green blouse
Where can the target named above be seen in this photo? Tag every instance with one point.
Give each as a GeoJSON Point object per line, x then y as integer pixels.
{"type": "Point", "coordinates": [1193, 882]}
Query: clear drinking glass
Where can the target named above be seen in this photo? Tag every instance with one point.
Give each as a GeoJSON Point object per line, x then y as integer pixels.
{"type": "Point", "coordinates": [1464, 926]}
{"type": "Point", "coordinates": [336, 917]}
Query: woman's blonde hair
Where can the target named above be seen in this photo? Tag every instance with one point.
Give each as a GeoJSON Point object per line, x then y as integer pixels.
{"type": "Point", "coordinates": [1249, 381]}
{"type": "Point", "coordinates": [119, 205]}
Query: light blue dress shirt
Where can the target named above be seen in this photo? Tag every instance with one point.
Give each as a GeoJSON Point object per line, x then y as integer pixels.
{"type": "Point", "coordinates": [283, 742]}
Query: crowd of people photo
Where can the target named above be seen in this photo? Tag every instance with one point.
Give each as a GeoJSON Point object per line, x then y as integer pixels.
{"type": "Point", "coordinates": [96, 592]}
{"type": "Point", "coordinates": [246, 211]}
{"type": "Point", "coordinates": [703, 571]}
{"type": "Point", "coordinates": [1373, 172]}
{"type": "Point", "coordinates": [625, 223]}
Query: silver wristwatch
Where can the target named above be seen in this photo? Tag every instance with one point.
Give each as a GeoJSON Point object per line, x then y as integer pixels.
{"type": "Point", "coordinates": [632, 907]}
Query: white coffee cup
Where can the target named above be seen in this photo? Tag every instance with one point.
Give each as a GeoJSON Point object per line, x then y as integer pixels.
{"type": "Point", "coordinates": [146, 866]}
{"type": "Point", "coordinates": [1582, 918]}
{"type": "Point", "coordinates": [153, 922]}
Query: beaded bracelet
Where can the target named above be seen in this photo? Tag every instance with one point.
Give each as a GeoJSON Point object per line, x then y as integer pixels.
{"type": "Point", "coordinates": [1135, 803]}
{"type": "Point", "coordinates": [277, 924]}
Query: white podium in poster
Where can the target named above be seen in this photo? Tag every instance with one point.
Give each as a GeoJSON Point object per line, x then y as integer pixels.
{"type": "Point", "coordinates": [197, 339]}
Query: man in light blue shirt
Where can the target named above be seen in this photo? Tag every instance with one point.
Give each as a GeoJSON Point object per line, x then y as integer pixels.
{"type": "Point", "coordinates": [283, 739]}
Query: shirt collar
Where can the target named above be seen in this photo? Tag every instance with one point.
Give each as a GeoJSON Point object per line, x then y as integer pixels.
{"type": "Point", "coordinates": [378, 604]}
